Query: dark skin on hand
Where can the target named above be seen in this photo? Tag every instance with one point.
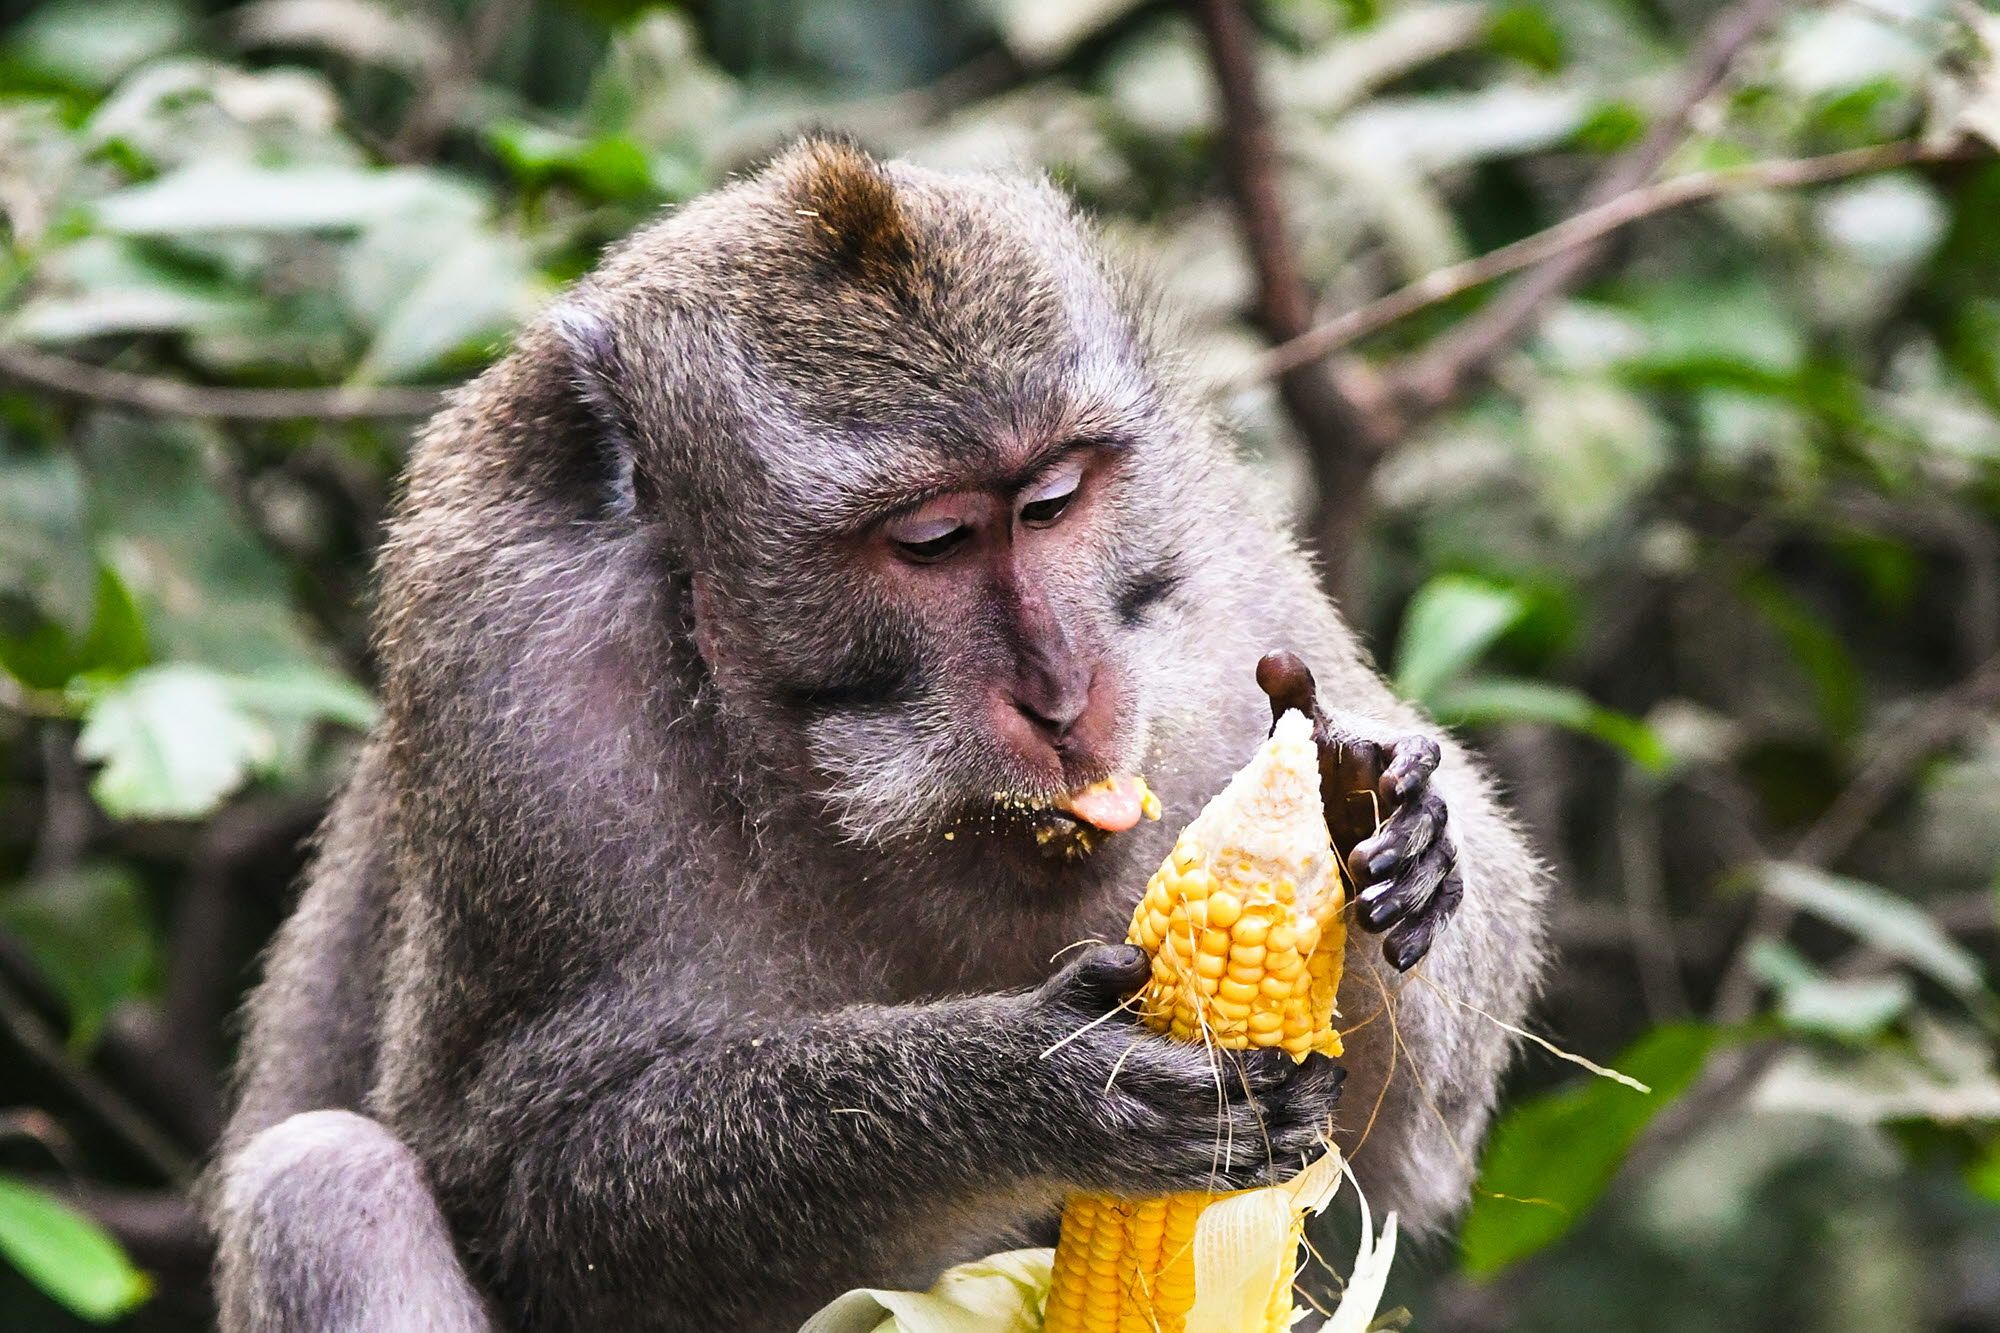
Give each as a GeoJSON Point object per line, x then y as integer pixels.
{"type": "Point", "coordinates": [1387, 821]}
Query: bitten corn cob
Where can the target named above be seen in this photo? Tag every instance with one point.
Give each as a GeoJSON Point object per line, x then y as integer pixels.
{"type": "Point", "coordinates": [1244, 925]}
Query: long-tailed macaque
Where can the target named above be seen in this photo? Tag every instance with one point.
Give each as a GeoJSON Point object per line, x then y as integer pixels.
{"type": "Point", "coordinates": [693, 940]}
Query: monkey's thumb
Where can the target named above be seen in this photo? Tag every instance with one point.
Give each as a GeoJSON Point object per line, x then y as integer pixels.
{"type": "Point", "coordinates": [1100, 979]}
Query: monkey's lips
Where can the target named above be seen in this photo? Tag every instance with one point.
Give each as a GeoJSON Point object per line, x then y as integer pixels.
{"type": "Point", "coordinates": [1113, 805]}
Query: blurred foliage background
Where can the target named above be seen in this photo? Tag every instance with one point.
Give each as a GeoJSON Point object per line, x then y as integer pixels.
{"type": "Point", "coordinates": [1698, 541]}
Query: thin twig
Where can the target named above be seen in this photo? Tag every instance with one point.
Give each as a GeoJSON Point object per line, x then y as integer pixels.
{"type": "Point", "coordinates": [40, 1042]}
{"type": "Point", "coordinates": [1843, 823]}
{"type": "Point", "coordinates": [66, 377]}
{"type": "Point", "coordinates": [1646, 916]}
{"type": "Point", "coordinates": [1594, 223]}
{"type": "Point", "coordinates": [159, 1227]}
{"type": "Point", "coordinates": [440, 101]}
{"type": "Point", "coordinates": [1435, 376]}
{"type": "Point", "coordinates": [1731, 1073]}
{"type": "Point", "coordinates": [1330, 408]}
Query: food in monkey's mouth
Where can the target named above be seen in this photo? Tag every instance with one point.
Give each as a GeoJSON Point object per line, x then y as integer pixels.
{"type": "Point", "coordinates": [1069, 826]}
{"type": "Point", "coordinates": [1244, 925]}
{"type": "Point", "coordinates": [1113, 805]}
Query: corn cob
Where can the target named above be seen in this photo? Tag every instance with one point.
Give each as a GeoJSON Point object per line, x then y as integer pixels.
{"type": "Point", "coordinates": [1244, 925]}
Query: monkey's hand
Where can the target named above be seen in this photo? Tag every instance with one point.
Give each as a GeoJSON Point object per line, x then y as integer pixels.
{"type": "Point", "coordinates": [1387, 820]}
{"type": "Point", "coordinates": [1138, 1113]}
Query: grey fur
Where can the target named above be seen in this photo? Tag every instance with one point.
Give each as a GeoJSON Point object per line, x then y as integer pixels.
{"type": "Point", "coordinates": [675, 985]}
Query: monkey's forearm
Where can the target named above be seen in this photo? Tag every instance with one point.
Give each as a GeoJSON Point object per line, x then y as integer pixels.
{"type": "Point", "coordinates": [822, 1148]}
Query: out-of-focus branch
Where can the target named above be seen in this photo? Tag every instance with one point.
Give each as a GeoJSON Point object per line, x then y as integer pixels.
{"type": "Point", "coordinates": [1583, 229]}
{"type": "Point", "coordinates": [439, 102]}
{"type": "Point", "coordinates": [1332, 408]}
{"type": "Point", "coordinates": [66, 377]}
{"type": "Point", "coordinates": [250, 848]}
{"type": "Point", "coordinates": [1843, 823]}
{"type": "Point", "coordinates": [106, 1103]}
{"type": "Point", "coordinates": [1638, 840]}
{"type": "Point", "coordinates": [1436, 376]}
{"type": "Point", "coordinates": [159, 1227]}
{"type": "Point", "coordinates": [1732, 1073]}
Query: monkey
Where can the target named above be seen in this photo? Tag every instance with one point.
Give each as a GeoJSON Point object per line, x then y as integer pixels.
{"type": "Point", "coordinates": [721, 914]}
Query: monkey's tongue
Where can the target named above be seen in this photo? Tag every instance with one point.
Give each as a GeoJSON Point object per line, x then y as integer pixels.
{"type": "Point", "coordinates": [1113, 805]}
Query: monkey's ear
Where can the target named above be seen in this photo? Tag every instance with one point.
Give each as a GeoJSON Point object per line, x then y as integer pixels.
{"type": "Point", "coordinates": [847, 199]}
{"type": "Point", "coordinates": [584, 339]}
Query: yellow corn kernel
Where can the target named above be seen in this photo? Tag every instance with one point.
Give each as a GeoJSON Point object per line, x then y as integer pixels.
{"type": "Point", "coordinates": [1244, 923]}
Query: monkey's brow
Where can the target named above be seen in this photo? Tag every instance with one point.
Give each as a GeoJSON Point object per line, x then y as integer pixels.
{"type": "Point", "coordinates": [888, 494]}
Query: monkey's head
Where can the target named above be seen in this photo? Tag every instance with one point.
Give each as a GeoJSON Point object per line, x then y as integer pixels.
{"type": "Point", "coordinates": [902, 435]}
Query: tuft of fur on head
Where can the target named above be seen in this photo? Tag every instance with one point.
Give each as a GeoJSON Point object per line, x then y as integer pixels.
{"type": "Point", "coordinates": [850, 204]}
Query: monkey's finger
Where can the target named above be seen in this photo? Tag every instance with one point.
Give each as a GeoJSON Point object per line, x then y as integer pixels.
{"type": "Point", "coordinates": [1409, 891]}
{"type": "Point", "coordinates": [1314, 1086]}
{"type": "Point", "coordinates": [1406, 945]}
{"type": "Point", "coordinates": [1100, 979]}
{"type": "Point", "coordinates": [1412, 761]}
{"type": "Point", "coordinates": [1302, 1114]}
{"type": "Point", "coordinates": [1288, 681]}
{"type": "Point", "coordinates": [1263, 1070]}
{"type": "Point", "coordinates": [1410, 832]}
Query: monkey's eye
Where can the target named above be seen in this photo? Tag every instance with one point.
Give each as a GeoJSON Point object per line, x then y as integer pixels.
{"type": "Point", "coordinates": [1043, 502]}
{"type": "Point", "coordinates": [928, 540]}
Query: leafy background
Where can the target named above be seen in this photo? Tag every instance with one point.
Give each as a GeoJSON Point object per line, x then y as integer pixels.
{"type": "Point", "coordinates": [1703, 554]}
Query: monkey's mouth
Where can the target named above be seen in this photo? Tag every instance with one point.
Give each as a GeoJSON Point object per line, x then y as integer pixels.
{"type": "Point", "coordinates": [1113, 805]}
{"type": "Point", "coordinates": [1072, 823]}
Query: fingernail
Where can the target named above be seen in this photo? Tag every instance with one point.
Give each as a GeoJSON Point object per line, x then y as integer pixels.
{"type": "Point", "coordinates": [1380, 862]}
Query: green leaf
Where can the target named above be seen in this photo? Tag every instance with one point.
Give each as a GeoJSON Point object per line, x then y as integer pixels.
{"type": "Point", "coordinates": [173, 741]}
{"type": "Point", "coordinates": [45, 558]}
{"type": "Point", "coordinates": [469, 296]}
{"type": "Point", "coordinates": [90, 43]}
{"type": "Point", "coordinates": [1828, 665]}
{"type": "Point", "coordinates": [212, 197]}
{"type": "Point", "coordinates": [1552, 1156]}
{"type": "Point", "coordinates": [1524, 32]}
{"type": "Point", "coordinates": [90, 933]}
{"type": "Point", "coordinates": [1699, 327]}
{"type": "Point", "coordinates": [1884, 921]}
{"type": "Point", "coordinates": [48, 656]}
{"type": "Point", "coordinates": [1984, 1174]}
{"type": "Point", "coordinates": [67, 1255]}
{"type": "Point", "coordinates": [1611, 127]}
{"type": "Point", "coordinates": [1849, 1009]}
{"type": "Point", "coordinates": [212, 592]}
{"type": "Point", "coordinates": [1451, 621]}
{"type": "Point", "coordinates": [612, 167]}
{"type": "Point", "coordinates": [304, 694]}
{"type": "Point", "coordinates": [1491, 699]}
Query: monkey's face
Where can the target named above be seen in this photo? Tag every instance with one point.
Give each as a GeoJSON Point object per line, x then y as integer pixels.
{"type": "Point", "coordinates": [963, 659]}
{"type": "Point", "coordinates": [932, 489]}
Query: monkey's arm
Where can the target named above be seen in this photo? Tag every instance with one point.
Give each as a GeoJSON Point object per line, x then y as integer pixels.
{"type": "Point", "coordinates": [1425, 1048]}
{"type": "Point", "coordinates": [751, 1176]}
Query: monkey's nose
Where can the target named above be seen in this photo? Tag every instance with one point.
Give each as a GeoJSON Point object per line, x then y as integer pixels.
{"type": "Point", "coordinates": [1053, 706]}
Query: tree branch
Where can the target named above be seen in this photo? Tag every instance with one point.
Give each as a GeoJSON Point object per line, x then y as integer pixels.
{"type": "Point", "coordinates": [1335, 414]}
{"type": "Point", "coordinates": [1581, 230]}
{"type": "Point", "coordinates": [156, 395]}
{"type": "Point", "coordinates": [159, 1227]}
{"type": "Point", "coordinates": [1437, 375]}
{"type": "Point", "coordinates": [441, 100]}
{"type": "Point", "coordinates": [1886, 773]}
{"type": "Point", "coordinates": [1733, 1073]}
{"type": "Point", "coordinates": [110, 1107]}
